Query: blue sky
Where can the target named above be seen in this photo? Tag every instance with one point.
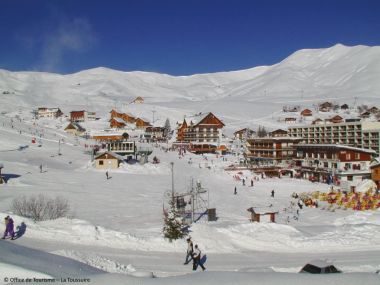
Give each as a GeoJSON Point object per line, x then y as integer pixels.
{"type": "Point", "coordinates": [178, 37]}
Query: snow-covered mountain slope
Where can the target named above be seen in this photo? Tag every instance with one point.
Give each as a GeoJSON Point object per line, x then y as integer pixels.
{"type": "Point", "coordinates": [306, 77]}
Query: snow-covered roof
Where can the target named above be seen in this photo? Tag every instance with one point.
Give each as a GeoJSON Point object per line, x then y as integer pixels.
{"type": "Point", "coordinates": [262, 210]}
{"type": "Point", "coordinates": [117, 156]}
{"type": "Point", "coordinates": [195, 119]}
{"type": "Point", "coordinates": [339, 147]}
{"type": "Point", "coordinates": [143, 119]}
{"type": "Point", "coordinates": [375, 162]}
{"type": "Point", "coordinates": [119, 120]}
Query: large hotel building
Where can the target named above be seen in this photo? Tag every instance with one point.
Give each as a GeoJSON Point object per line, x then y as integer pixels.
{"type": "Point", "coordinates": [362, 134]}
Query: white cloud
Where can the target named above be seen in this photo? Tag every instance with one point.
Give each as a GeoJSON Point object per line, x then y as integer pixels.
{"type": "Point", "coordinates": [70, 35]}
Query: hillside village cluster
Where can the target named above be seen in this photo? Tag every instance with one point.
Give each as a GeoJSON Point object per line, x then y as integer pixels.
{"type": "Point", "coordinates": [326, 148]}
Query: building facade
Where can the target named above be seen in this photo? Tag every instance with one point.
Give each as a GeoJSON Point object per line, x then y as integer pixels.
{"type": "Point", "coordinates": [271, 150]}
{"type": "Point", "coordinates": [108, 160]}
{"type": "Point", "coordinates": [332, 163]}
{"type": "Point", "coordinates": [75, 129]}
{"type": "Point", "coordinates": [355, 134]}
{"type": "Point", "coordinates": [375, 172]}
{"type": "Point", "coordinates": [203, 129]}
{"type": "Point", "coordinates": [44, 112]}
{"type": "Point", "coordinates": [244, 134]}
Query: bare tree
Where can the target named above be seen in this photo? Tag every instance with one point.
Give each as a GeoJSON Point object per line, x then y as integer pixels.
{"type": "Point", "coordinates": [40, 207]}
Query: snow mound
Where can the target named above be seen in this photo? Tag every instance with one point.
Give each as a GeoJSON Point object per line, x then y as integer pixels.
{"type": "Point", "coordinates": [97, 261]}
{"type": "Point", "coordinates": [365, 186]}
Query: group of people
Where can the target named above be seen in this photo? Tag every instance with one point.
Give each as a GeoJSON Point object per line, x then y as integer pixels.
{"type": "Point", "coordinates": [9, 228]}
{"type": "Point", "coordinates": [193, 253]}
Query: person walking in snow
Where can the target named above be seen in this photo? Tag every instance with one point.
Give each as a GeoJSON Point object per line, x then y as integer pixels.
{"type": "Point", "coordinates": [251, 182]}
{"type": "Point", "coordinates": [235, 191]}
{"type": "Point", "coordinates": [243, 182]}
{"type": "Point", "coordinates": [197, 259]}
{"type": "Point", "coordinates": [40, 168]}
{"type": "Point", "coordinates": [272, 193]}
{"type": "Point", "coordinates": [9, 227]}
{"type": "Point", "coordinates": [190, 251]}
{"type": "Point", "coordinates": [107, 174]}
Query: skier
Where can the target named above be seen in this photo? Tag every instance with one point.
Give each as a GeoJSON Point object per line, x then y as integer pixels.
{"type": "Point", "coordinates": [9, 227]}
{"type": "Point", "coordinates": [197, 259]}
{"type": "Point", "coordinates": [189, 252]}
{"type": "Point", "coordinates": [300, 204]}
{"type": "Point", "coordinates": [272, 193]}
{"type": "Point", "coordinates": [235, 192]}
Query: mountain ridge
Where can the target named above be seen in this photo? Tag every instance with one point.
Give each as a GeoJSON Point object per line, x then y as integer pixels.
{"type": "Point", "coordinates": [305, 77]}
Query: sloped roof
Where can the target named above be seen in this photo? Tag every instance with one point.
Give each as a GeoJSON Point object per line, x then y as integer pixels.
{"type": "Point", "coordinates": [245, 130]}
{"type": "Point", "coordinates": [119, 120]}
{"type": "Point", "coordinates": [338, 146]}
{"type": "Point", "coordinates": [375, 162]}
{"type": "Point", "coordinates": [222, 147]}
{"type": "Point", "coordinates": [198, 119]}
{"type": "Point", "coordinates": [111, 154]}
{"type": "Point", "coordinates": [263, 210]}
{"type": "Point", "coordinates": [143, 119]}
{"type": "Point", "coordinates": [336, 117]}
{"type": "Point", "coordinates": [76, 126]}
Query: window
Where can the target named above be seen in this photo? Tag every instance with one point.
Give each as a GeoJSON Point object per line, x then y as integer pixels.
{"type": "Point", "coordinates": [349, 178]}
{"type": "Point", "coordinates": [101, 162]}
{"type": "Point", "coordinates": [357, 155]}
{"type": "Point", "coordinates": [348, 156]}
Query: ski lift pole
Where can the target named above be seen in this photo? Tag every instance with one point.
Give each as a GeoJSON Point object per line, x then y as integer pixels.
{"type": "Point", "coordinates": [172, 168]}
{"type": "Point", "coordinates": [192, 201]}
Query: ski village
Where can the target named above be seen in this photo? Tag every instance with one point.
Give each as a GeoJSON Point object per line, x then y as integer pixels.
{"type": "Point", "coordinates": [246, 177]}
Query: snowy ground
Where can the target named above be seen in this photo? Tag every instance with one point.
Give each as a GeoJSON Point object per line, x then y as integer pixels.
{"type": "Point", "coordinates": [116, 224]}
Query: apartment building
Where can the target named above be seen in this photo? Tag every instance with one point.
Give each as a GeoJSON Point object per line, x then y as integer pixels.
{"type": "Point", "coordinates": [206, 128]}
{"type": "Point", "coordinates": [43, 112]}
{"type": "Point", "coordinates": [334, 163]}
{"type": "Point", "coordinates": [355, 134]}
{"type": "Point", "coordinates": [271, 150]}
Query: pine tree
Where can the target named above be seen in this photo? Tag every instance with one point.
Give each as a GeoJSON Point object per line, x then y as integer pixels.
{"type": "Point", "coordinates": [262, 132]}
{"type": "Point", "coordinates": [167, 128]}
{"type": "Point", "coordinates": [173, 223]}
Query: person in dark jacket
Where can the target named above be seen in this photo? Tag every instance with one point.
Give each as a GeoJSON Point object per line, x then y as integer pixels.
{"type": "Point", "coordinates": [9, 227]}
{"type": "Point", "coordinates": [197, 259]}
{"type": "Point", "coordinates": [189, 252]}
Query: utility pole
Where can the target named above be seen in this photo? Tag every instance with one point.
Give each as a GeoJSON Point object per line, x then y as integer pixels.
{"type": "Point", "coordinates": [153, 111]}
{"type": "Point", "coordinates": [192, 200]}
{"type": "Point", "coordinates": [59, 147]}
{"type": "Point", "coordinates": [172, 168]}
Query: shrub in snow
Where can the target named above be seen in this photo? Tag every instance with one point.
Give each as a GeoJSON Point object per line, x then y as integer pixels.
{"type": "Point", "coordinates": [174, 224]}
{"type": "Point", "coordinates": [40, 207]}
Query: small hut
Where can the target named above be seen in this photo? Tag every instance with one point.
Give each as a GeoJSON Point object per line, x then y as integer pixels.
{"type": "Point", "coordinates": [306, 113]}
{"type": "Point", "coordinates": [262, 214]}
{"type": "Point", "coordinates": [108, 160]}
